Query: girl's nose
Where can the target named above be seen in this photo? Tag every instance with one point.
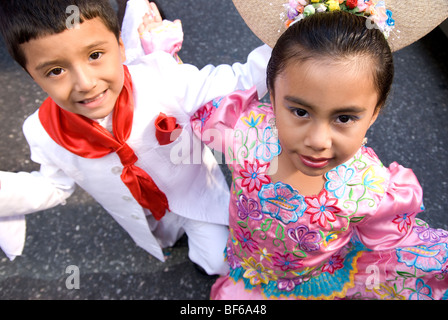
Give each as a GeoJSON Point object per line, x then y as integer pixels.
{"type": "Point", "coordinates": [318, 137]}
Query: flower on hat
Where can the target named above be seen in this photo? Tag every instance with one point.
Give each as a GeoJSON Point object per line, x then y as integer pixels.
{"type": "Point", "coordinates": [374, 10]}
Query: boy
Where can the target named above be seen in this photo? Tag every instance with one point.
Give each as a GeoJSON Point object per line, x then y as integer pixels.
{"type": "Point", "coordinates": [102, 128]}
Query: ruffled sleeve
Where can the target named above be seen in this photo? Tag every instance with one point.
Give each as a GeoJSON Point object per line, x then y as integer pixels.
{"type": "Point", "coordinates": [392, 223]}
{"type": "Point", "coordinates": [214, 122]}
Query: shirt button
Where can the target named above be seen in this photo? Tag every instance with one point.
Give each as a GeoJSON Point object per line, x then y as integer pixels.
{"type": "Point", "coordinates": [117, 170]}
{"type": "Point", "coordinates": [126, 198]}
{"type": "Point", "coordinates": [135, 217]}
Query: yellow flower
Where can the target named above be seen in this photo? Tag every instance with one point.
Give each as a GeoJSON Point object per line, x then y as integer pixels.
{"type": "Point", "coordinates": [264, 254]}
{"type": "Point", "coordinates": [253, 120]}
{"type": "Point", "coordinates": [372, 181]}
{"type": "Point", "coordinates": [388, 293]}
{"type": "Point", "coordinates": [333, 5]}
{"type": "Point", "coordinates": [256, 272]}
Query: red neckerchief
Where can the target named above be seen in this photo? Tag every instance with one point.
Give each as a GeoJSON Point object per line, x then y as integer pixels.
{"type": "Point", "coordinates": [88, 139]}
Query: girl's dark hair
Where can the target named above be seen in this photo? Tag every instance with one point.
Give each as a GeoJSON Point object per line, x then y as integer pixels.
{"type": "Point", "coordinates": [338, 36]}
{"type": "Point", "coordinates": [24, 20]}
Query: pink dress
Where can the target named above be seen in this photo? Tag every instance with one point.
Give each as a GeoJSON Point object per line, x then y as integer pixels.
{"type": "Point", "coordinates": [359, 238]}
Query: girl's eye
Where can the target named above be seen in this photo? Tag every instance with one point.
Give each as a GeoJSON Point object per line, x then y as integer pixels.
{"type": "Point", "coordinates": [345, 119]}
{"type": "Point", "coordinates": [300, 113]}
{"type": "Point", "coordinates": [95, 55]}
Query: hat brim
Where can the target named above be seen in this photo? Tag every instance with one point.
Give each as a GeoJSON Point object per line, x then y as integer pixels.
{"type": "Point", "coordinates": [413, 19]}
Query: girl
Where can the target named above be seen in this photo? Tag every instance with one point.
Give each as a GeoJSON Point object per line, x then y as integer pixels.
{"type": "Point", "coordinates": [314, 214]}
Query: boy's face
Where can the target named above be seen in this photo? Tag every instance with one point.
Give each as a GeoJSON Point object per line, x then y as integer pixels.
{"type": "Point", "coordinates": [80, 69]}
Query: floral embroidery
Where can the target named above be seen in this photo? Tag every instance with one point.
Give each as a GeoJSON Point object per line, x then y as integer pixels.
{"type": "Point", "coordinates": [232, 260]}
{"type": "Point", "coordinates": [307, 240]}
{"type": "Point", "coordinates": [428, 234]}
{"type": "Point", "coordinates": [202, 115]}
{"type": "Point", "coordinates": [264, 254]}
{"type": "Point", "coordinates": [335, 262]}
{"type": "Point", "coordinates": [248, 208]}
{"type": "Point", "coordinates": [422, 291]}
{"type": "Point", "coordinates": [285, 262]}
{"type": "Point", "coordinates": [322, 208]}
{"type": "Point", "coordinates": [282, 202]}
{"type": "Point", "coordinates": [245, 239]}
{"type": "Point", "coordinates": [253, 120]}
{"type": "Point", "coordinates": [423, 257]}
{"type": "Point", "coordinates": [254, 175]}
{"type": "Point", "coordinates": [372, 181]}
{"type": "Point", "coordinates": [403, 221]}
{"type": "Point", "coordinates": [268, 147]}
{"type": "Point", "coordinates": [338, 179]}
{"type": "Point", "coordinates": [288, 284]}
{"type": "Point", "coordinates": [256, 272]}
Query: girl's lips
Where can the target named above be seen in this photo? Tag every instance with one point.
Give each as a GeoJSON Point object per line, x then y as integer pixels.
{"type": "Point", "coordinates": [316, 163]}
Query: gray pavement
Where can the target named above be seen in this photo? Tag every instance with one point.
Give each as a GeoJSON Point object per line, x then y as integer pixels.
{"type": "Point", "coordinates": [412, 131]}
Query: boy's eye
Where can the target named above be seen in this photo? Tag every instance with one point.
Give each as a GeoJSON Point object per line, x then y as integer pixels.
{"type": "Point", "coordinates": [55, 72]}
{"type": "Point", "coordinates": [95, 55]}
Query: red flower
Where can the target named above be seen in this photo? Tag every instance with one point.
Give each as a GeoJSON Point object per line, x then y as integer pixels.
{"type": "Point", "coordinates": [254, 175]}
{"type": "Point", "coordinates": [351, 4]}
{"type": "Point", "coordinates": [322, 208]}
{"type": "Point", "coordinates": [335, 263]}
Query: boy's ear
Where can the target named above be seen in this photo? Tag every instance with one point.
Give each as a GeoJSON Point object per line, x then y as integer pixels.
{"type": "Point", "coordinates": [122, 49]}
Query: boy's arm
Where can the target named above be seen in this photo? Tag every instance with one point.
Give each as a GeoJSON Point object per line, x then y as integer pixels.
{"type": "Point", "coordinates": [24, 192]}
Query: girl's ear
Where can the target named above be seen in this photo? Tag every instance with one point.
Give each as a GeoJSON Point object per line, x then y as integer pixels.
{"type": "Point", "coordinates": [374, 117]}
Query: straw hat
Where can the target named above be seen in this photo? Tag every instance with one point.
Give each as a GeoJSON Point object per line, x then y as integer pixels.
{"type": "Point", "coordinates": [413, 19]}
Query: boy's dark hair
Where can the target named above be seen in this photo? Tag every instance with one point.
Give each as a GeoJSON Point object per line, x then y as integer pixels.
{"type": "Point", "coordinates": [336, 36]}
{"type": "Point", "coordinates": [25, 20]}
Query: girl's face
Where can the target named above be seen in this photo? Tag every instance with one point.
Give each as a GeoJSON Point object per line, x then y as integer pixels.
{"type": "Point", "coordinates": [323, 110]}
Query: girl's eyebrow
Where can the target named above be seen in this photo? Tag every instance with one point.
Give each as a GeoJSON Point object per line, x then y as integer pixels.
{"type": "Point", "coordinates": [347, 109]}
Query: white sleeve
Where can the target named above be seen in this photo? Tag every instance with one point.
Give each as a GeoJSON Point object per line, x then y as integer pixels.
{"type": "Point", "coordinates": [23, 192]}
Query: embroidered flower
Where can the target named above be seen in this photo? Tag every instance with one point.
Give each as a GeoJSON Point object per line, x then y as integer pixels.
{"type": "Point", "coordinates": [388, 293]}
{"type": "Point", "coordinates": [245, 239]}
{"type": "Point", "coordinates": [403, 221]}
{"type": "Point", "coordinates": [282, 202]}
{"type": "Point", "coordinates": [322, 208]}
{"type": "Point", "coordinates": [422, 291]}
{"type": "Point", "coordinates": [430, 235]}
{"type": "Point", "coordinates": [286, 262]}
{"type": "Point", "coordinates": [288, 285]}
{"type": "Point", "coordinates": [335, 263]}
{"type": "Point", "coordinates": [248, 208]}
{"type": "Point", "coordinates": [423, 257]}
{"type": "Point", "coordinates": [256, 272]}
{"type": "Point", "coordinates": [253, 120]}
{"type": "Point", "coordinates": [338, 179]}
{"type": "Point", "coordinates": [232, 260]}
{"type": "Point", "coordinates": [306, 239]}
{"type": "Point", "coordinates": [269, 146]}
{"type": "Point", "coordinates": [372, 181]}
{"type": "Point", "coordinates": [264, 254]}
{"type": "Point", "coordinates": [254, 175]}
{"type": "Point", "coordinates": [202, 115]}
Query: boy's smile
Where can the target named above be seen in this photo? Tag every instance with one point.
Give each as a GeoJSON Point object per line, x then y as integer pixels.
{"type": "Point", "coordinates": [81, 69]}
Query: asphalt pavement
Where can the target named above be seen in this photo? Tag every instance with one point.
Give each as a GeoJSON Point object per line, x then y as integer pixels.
{"type": "Point", "coordinates": [80, 238]}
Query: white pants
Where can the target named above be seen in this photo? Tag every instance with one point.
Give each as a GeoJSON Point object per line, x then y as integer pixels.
{"type": "Point", "coordinates": [206, 241]}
